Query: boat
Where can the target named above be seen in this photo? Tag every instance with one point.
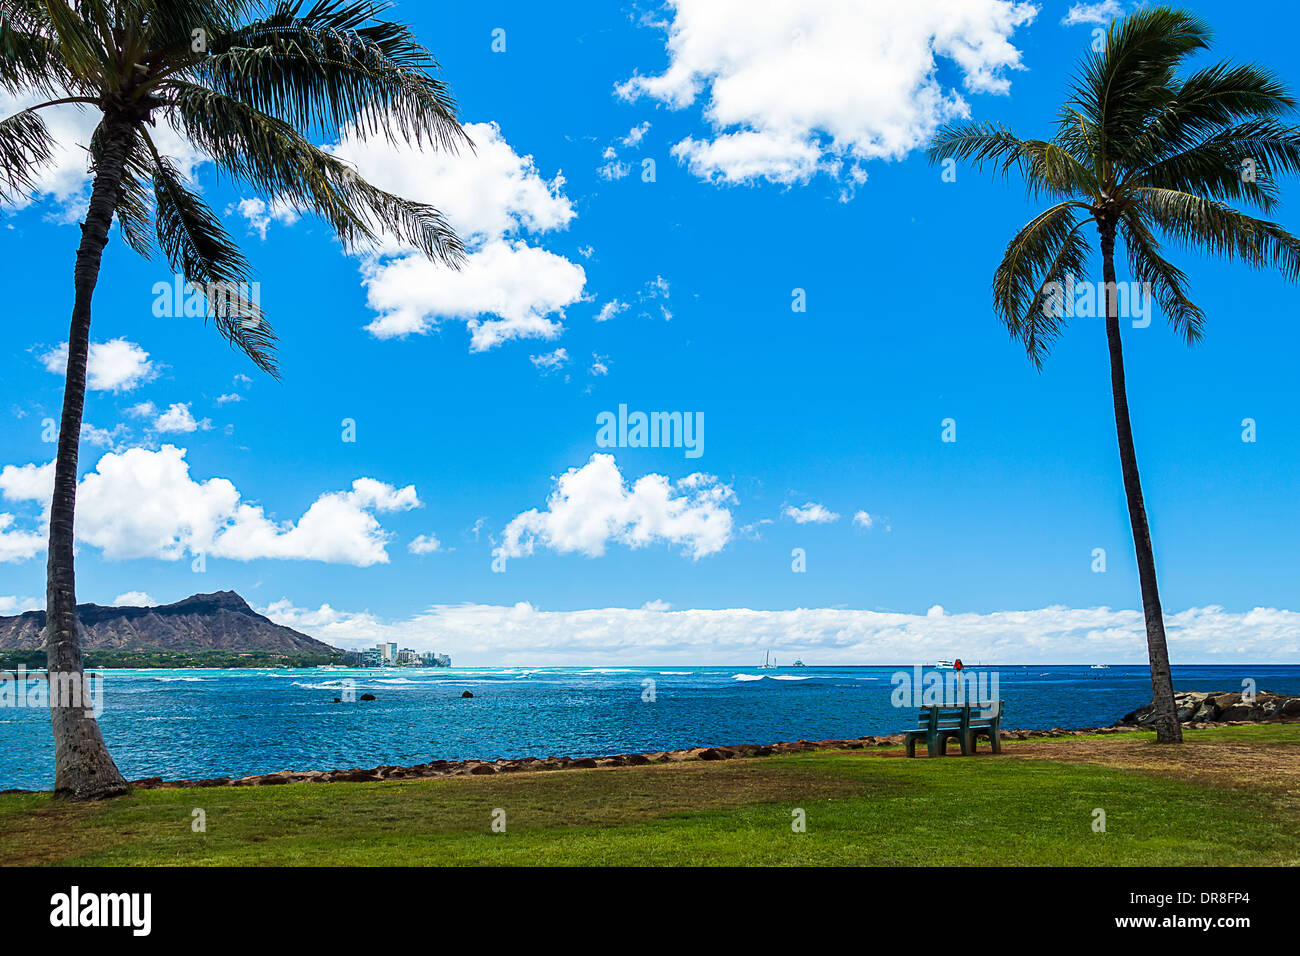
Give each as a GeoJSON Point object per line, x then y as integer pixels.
{"type": "Point", "coordinates": [768, 664]}
{"type": "Point", "coordinates": [799, 663]}
{"type": "Point", "coordinates": [1100, 667]}
{"type": "Point", "coordinates": [943, 665]}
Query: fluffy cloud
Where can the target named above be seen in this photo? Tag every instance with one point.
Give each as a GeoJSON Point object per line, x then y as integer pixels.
{"type": "Point", "coordinates": [610, 309]}
{"type": "Point", "coordinates": [592, 506]}
{"type": "Point", "coordinates": [17, 605]}
{"type": "Point", "coordinates": [259, 214]}
{"type": "Point", "coordinates": [424, 544]}
{"type": "Point", "coordinates": [134, 599]}
{"type": "Point", "coordinates": [863, 520]}
{"type": "Point", "coordinates": [810, 513]}
{"type": "Point", "coordinates": [179, 418]}
{"type": "Point", "coordinates": [525, 635]}
{"type": "Point", "coordinates": [144, 504]}
{"type": "Point", "coordinates": [793, 89]}
{"type": "Point", "coordinates": [1102, 13]}
{"type": "Point", "coordinates": [494, 198]}
{"type": "Point", "coordinates": [114, 366]}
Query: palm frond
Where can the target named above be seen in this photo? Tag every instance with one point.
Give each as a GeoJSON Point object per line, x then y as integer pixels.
{"type": "Point", "coordinates": [281, 164]}
{"type": "Point", "coordinates": [336, 65]}
{"type": "Point", "coordinates": [1213, 227]}
{"type": "Point", "coordinates": [25, 147]}
{"type": "Point", "coordinates": [1166, 279]}
{"type": "Point", "coordinates": [1049, 249]}
{"type": "Point", "coordinates": [200, 250]}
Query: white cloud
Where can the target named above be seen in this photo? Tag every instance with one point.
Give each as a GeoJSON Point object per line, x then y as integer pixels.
{"type": "Point", "coordinates": [113, 366]}
{"type": "Point", "coordinates": [794, 89]}
{"type": "Point", "coordinates": [259, 214]}
{"type": "Point", "coordinates": [599, 364]}
{"type": "Point", "coordinates": [863, 520]}
{"type": "Point", "coordinates": [524, 635]}
{"type": "Point", "coordinates": [144, 504]}
{"type": "Point", "coordinates": [229, 397]}
{"type": "Point", "coordinates": [810, 513]}
{"type": "Point", "coordinates": [520, 284]}
{"type": "Point", "coordinates": [614, 169]}
{"type": "Point", "coordinates": [634, 136]}
{"type": "Point", "coordinates": [424, 544]}
{"type": "Point", "coordinates": [610, 309]}
{"type": "Point", "coordinates": [550, 361]}
{"type": "Point", "coordinates": [591, 507]}
{"type": "Point", "coordinates": [105, 437]}
{"type": "Point", "coordinates": [10, 604]}
{"type": "Point", "coordinates": [134, 599]}
{"type": "Point", "coordinates": [1102, 13]}
{"type": "Point", "coordinates": [493, 198]}
{"type": "Point", "coordinates": [179, 418]}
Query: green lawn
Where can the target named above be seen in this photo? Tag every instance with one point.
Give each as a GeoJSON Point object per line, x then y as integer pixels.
{"type": "Point", "coordinates": [862, 807]}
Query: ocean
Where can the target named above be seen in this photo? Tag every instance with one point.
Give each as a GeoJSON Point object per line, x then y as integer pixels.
{"type": "Point", "coordinates": [231, 723]}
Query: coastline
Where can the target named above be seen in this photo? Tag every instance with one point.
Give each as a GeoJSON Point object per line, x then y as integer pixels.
{"type": "Point", "coordinates": [459, 768]}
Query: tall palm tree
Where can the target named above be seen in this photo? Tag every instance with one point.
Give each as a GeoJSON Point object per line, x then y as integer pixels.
{"type": "Point", "coordinates": [1141, 147]}
{"type": "Point", "coordinates": [246, 91]}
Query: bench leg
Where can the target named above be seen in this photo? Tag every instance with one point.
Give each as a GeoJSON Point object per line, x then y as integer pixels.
{"type": "Point", "coordinates": [968, 744]}
{"type": "Point", "coordinates": [910, 744]}
{"type": "Point", "coordinates": [995, 738]}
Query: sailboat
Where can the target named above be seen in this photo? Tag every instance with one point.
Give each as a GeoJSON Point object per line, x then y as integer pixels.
{"type": "Point", "coordinates": [768, 664]}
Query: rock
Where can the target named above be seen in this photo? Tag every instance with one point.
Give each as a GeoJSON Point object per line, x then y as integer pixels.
{"type": "Point", "coordinates": [483, 768]}
{"type": "Point", "coordinates": [1194, 707]}
{"type": "Point", "coordinates": [338, 700]}
{"type": "Point", "coordinates": [366, 697]}
{"type": "Point", "coordinates": [587, 763]}
{"type": "Point", "coordinates": [465, 694]}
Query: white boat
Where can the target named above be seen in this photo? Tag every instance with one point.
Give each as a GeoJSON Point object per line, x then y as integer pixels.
{"type": "Point", "coordinates": [943, 665]}
{"type": "Point", "coordinates": [1100, 667]}
{"type": "Point", "coordinates": [768, 664]}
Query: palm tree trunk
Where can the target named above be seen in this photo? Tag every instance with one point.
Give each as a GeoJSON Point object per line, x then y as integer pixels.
{"type": "Point", "coordinates": [83, 768]}
{"type": "Point", "coordinates": [1164, 717]}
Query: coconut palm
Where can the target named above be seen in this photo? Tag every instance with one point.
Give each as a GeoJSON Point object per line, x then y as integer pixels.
{"type": "Point", "coordinates": [1143, 150]}
{"type": "Point", "coordinates": [246, 91]}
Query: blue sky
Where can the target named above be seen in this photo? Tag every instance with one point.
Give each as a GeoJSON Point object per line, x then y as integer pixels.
{"type": "Point", "coordinates": [473, 395]}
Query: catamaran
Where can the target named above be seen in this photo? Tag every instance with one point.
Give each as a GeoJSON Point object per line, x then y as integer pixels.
{"type": "Point", "coordinates": [768, 664]}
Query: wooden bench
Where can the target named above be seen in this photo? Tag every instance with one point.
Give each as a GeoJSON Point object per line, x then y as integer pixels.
{"type": "Point", "coordinates": [938, 725]}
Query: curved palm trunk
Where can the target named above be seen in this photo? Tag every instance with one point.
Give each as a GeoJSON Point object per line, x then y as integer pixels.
{"type": "Point", "coordinates": [83, 768]}
{"type": "Point", "coordinates": [1164, 717]}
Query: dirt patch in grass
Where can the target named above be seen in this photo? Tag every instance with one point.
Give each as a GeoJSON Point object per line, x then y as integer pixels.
{"type": "Point", "coordinates": [1253, 764]}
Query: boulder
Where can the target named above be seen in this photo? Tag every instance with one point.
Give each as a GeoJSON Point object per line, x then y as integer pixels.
{"type": "Point", "coordinates": [1194, 708]}
{"type": "Point", "coordinates": [465, 694]}
{"type": "Point", "coordinates": [366, 697]}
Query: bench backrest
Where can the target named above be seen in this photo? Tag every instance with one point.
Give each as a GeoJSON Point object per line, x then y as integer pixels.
{"type": "Point", "coordinates": [970, 715]}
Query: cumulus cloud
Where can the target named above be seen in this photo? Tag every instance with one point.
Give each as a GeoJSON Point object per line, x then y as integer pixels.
{"type": "Point", "coordinates": [134, 599]}
{"type": "Point", "coordinates": [144, 504]}
{"type": "Point", "coordinates": [424, 544]}
{"type": "Point", "coordinates": [525, 635]}
{"type": "Point", "coordinates": [795, 89]}
{"type": "Point", "coordinates": [259, 214]}
{"type": "Point", "coordinates": [863, 520]}
{"type": "Point", "coordinates": [10, 604]}
{"type": "Point", "coordinates": [810, 513]}
{"type": "Point", "coordinates": [1101, 13]}
{"type": "Point", "coordinates": [550, 361]}
{"type": "Point", "coordinates": [179, 418]}
{"type": "Point", "coordinates": [498, 202]}
{"type": "Point", "coordinates": [592, 507]}
{"type": "Point", "coordinates": [114, 366]}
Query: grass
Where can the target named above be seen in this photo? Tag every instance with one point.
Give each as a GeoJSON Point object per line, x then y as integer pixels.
{"type": "Point", "coordinates": [1033, 805]}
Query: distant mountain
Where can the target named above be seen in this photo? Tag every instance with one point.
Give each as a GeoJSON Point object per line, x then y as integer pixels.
{"type": "Point", "coordinates": [220, 621]}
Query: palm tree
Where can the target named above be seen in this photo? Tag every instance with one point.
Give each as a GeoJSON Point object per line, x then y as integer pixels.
{"type": "Point", "coordinates": [246, 91]}
{"type": "Point", "coordinates": [1141, 148]}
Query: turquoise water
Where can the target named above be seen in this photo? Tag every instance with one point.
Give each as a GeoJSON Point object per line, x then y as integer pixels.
{"type": "Point", "coordinates": [208, 723]}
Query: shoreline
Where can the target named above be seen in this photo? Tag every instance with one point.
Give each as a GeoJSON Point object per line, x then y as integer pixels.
{"type": "Point", "coordinates": [437, 769]}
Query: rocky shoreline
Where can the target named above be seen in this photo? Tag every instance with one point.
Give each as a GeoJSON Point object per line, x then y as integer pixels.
{"type": "Point", "coordinates": [1192, 710]}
